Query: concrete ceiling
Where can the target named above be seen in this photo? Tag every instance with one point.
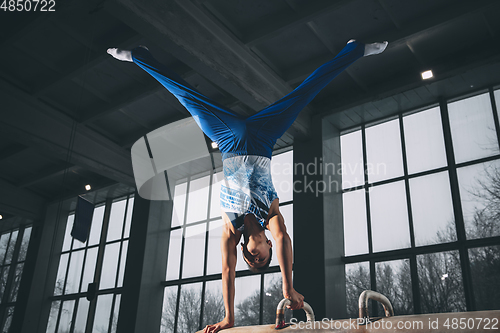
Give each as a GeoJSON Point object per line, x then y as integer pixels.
{"type": "Point", "coordinates": [70, 113]}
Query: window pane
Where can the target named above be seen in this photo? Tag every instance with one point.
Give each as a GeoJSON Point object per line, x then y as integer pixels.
{"type": "Point", "coordinates": [213, 310]}
{"type": "Point", "coordinates": [383, 151]}
{"type": "Point", "coordinates": [179, 204]}
{"type": "Point", "coordinates": [287, 212]}
{"type": "Point", "coordinates": [4, 242]}
{"type": "Point", "coordinates": [74, 272]}
{"type": "Point", "coordinates": [480, 197]}
{"type": "Point", "coordinates": [189, 308]}
{"type": "Point", "coordinates": [389, 217]}
{"type": "Point", "coordinates": [440, 281]}
{"type": "Point", "coordinates": [214, 259]}
{"type": "Point", "coordinates": [123, 260]}
{"type": "Point", "coordinates": [247, 297]}
{"type": "Point", "coordinates": [67, 233]}
{"type": "Point", "coordinates": [116, 220]}
{"type": "Point", "coordinates": [174, 255]}
{"type": "Point", "coordinates": [9, 313]}
{"type": "Point", "coordinates": [194, 250]}
{"type": "Point", "coordinates": [485, 268]}
{"type": "Point", "coordinates": [352, 160]}
{"type": "Point", "coordinates": [394, 281]}
{"type": "Point", "coordinates": [95, 229]}
{"type": "Point", "coordinates": [168, 313]}
{"type": "Point", "coordinates": [497, 101]}
{"type": "Point", "coordinates": [89, 270]}
{"type": "Point", "coordinates": [273, 294]}
{"type": "Point", "coordinates": [116, 312]}
{"type": "Point", "coordinates": [54, 312]}
{"type": "Point", "coordinates": [198, 199]}
{"type": "Point", "coordinates": [16, 282]}
{"type": "Point", "coordinates": [10, 249]}
{"type": "Point", "coordinates": [215, 200]}
{"type": "Point", "coordinates": [282, 175]}
{"type": "Point", "coordinates": [424, 141]}
{"type": "Point", "coordinates": [102, 313]}
{"type": "Point", "coordinates": [61, 274]}
{"type": "Point", "coordinates": [128, 218]}
{"type": "Point", "coordinates": [355, 223]}
{"type": "Point", "coordinates": [109, 265]}
{"type": "Point", "coordinates": [472, 128]}
{"type": "Point", "coordinates": [66, 316]}
{"type": "Point", "coordinates": [81, 315]}
{"type": "Point", "coordinates": [357, 279]}
{"type": "Point", "coordinates": [3, 279]}
{"type": "Point", "coordinates": [432, 209]}
{"type": "Point", "coordinates": [24, 245]}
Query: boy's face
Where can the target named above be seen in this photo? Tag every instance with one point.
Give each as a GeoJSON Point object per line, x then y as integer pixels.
{"type": "Point", "coordinates": [256, 254]}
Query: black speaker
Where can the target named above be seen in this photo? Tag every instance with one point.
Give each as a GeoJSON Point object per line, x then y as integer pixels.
{"type": "Point", "coordinates": [83, 219]}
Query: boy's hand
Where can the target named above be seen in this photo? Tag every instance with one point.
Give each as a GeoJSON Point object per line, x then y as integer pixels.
{"type": "Point", "coordinates": [296, 298]}
{"type": "Point", "coordinates": [217, 327]}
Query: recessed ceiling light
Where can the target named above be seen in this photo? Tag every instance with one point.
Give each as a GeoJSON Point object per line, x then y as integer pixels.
{"type": "Point", "coordinates": [427, 75]}
{"type": "Point", "coordinates": [1, 217]}
{"type": "Point", "coordinates": [214, 145]}
{"type": "Point", "coordinates": [87, 187]}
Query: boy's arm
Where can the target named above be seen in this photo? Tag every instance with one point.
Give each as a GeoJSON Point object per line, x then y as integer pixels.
{"type": "Point", "coordinates": [284, 252]}
{"type": "Point", "coordinates": [228, 250]}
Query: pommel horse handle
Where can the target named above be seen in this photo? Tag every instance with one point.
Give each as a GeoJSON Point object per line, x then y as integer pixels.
{"type": "Point", "coordinates": [280, 312]}
{"type": "Point", "coordinates": [370, 294]}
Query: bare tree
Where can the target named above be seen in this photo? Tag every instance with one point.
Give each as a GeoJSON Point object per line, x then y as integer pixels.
{"type": "Point", "coordinates": [189, 310]}
{"type": "Point", "coordinates": [357, 280]}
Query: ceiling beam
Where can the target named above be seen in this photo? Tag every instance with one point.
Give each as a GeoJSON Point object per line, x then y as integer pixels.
{"type": "Point", "coordinates": [36, 124]}
{"type": "Point", "coordinates": [33, 23]}
{"type": "Point", "coordinates": [43, 175]}
{"type": "Point", "coordinates": [76, 191]}
{"type": "Point", "coordinates": [448, 67]}
{"type": "Point", "coordinates": [20, 202]}
{"type": "Point", "coordinates": [329, 45]}
{"type": "Point", "coordinates": [135, 94]}
{"type": "Point", "coordinates": [417, 28]}
{"type": "Point", "coordinates": [433, 21]}
{"type": "Point", "coordinates": [185, 31]}
{"type": "Point", "coordinates": [124, 99]}
{"type": "Point", "coordinates": [74, 68]}
{"type": "Point", "coordinates": [274, 25]}
{"type": "Point", "coordinates": [12, 150]}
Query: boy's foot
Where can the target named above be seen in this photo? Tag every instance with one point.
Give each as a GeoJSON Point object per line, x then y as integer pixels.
{"type": "Point", "coordinates": [375, 48]}
{"type": "Point", "coordinates": [123, 55]}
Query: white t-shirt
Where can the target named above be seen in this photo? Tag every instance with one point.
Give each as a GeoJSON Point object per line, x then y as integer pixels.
{"type": "Point", "coordinates": [247, 188]}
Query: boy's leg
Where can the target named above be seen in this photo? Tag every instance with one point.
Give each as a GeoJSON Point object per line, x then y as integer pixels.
{"type": "Point", "coordinates": [215, 120]}
{"type": "Point", "coordinates": [272, 122]}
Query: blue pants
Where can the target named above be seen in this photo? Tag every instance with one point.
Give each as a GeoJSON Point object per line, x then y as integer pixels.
{"type": "Point", "coordinates": [257, 134]}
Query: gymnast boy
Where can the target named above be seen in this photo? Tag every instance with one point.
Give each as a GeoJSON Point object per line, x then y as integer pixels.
{"type": "Point", "coordinates": [248, 200]}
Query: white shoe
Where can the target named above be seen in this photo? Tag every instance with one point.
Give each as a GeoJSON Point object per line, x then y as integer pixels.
{"type": "Point", "coordinates": [123, 55]}
{"type": "Point", "coordinates": [375, 48]}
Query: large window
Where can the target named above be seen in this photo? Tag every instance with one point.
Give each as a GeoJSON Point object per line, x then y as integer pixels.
{"type": "Point", "coordinates": [13, 250]}
{"type": "Point", "coordinates": [99, 262]}
{"type": "Point", "coordinates": [193, 286]}
{"type": "Point", "coordinates": [421, 208]}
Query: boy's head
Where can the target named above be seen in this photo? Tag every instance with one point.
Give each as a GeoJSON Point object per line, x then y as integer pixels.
{"type": "Point", "coordinates": [257, 255]}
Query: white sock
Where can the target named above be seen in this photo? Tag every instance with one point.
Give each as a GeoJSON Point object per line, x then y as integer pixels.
{"type": "Point", "coordinates": [375, 48]}
{"type": "Point", "coordinates": [123, 55]}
